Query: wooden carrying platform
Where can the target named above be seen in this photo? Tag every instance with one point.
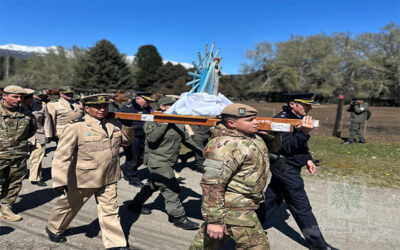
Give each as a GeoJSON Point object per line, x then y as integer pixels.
{"type": "Point", "coordinates": [275, 124]}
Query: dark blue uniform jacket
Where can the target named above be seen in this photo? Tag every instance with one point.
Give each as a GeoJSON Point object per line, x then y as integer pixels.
{"type": "Point", "coordinates": [133, 107]}
{"type": "Point", "coordinates": [294, 145]}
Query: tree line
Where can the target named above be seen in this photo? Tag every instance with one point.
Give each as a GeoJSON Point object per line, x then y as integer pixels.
{"type": "Point", "coordinates": [366, 65]}
{"type": "Point", "coordinates": [98, 68]}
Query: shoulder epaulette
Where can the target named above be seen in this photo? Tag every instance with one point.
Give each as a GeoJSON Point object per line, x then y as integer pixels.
{"type": "Point", "coordinates": [78, 120]}
{"type": "Point", "coordinates": [283, 114]}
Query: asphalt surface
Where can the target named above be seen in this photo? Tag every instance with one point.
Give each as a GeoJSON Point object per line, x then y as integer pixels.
{"type": "Point", "coordinates": [351, 216]}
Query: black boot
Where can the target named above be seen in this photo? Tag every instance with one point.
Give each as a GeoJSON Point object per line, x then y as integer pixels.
{"type": "Point", "coordinates": [56, 238]}
{"type": "Point", "coordinates": [136, 182]}
{"type": "Point", "coordinates": [184, 223]}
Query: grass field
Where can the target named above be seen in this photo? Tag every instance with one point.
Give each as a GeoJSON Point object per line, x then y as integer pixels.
{"type": "Point", "coordinates": [376, 163]}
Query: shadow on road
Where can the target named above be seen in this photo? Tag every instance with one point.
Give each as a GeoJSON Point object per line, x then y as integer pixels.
{"type": "Point", "coordinates": [278, 221]}
{"type": "Point", "coordinates": [192, 207]}
{"type": "Point", "coordinates": [91, 230]}
{"type": "Point", "coordinates": [128, 218]}
{"type": "Point", "coordinates": [34, 199]}
{"type": "Point", "coordinates": [6, 230]}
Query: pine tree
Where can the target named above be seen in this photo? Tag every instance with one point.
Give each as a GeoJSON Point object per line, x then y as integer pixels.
{"type": "Point", "coordinates": [103, 68]}
{"type": "Point", "coordinates": [147, 61]}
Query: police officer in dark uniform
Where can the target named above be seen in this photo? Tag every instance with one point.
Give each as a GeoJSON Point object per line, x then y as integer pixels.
{"type": "Point", "coordinates": [134, 153]}
{"type": "Point", "coordinates": [286, 182]}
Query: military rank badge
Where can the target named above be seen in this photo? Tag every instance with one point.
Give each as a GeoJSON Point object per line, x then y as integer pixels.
{"type": "Point", "coordinates": [242, 111]}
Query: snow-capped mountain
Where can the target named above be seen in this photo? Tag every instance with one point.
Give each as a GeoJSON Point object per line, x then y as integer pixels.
{"type": "Point", "coordinates": [22, 52]}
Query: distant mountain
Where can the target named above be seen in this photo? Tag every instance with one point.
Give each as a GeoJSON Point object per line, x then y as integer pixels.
{"type": "Point", "coordinates": [23, 52]}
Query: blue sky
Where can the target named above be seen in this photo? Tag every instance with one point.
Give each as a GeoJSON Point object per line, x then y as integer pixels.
{"type": "Point", "coordinates": [179, 29]}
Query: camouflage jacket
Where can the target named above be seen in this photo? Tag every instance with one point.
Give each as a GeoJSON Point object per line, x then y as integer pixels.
{"type": "Point", "coordinates": [16, 127]}
{"type": "Point", "coordinates": [359, 113]}
{"type": "Point", "coordinates": [236, 172]}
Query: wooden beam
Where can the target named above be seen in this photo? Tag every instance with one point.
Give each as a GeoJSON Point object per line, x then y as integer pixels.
{"type": "Point", "coordinates": [275, 124]}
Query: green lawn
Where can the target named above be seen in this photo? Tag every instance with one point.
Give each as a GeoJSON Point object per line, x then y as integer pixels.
{"type": "Point", "coordinates": [376, 163]}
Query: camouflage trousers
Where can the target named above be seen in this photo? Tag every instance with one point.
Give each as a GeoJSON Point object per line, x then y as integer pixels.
{"type": "Point", "coordinates": [243, 227]}
{"type": "Point", "coordinates": [12, 173]}
{"type": "Point", "coordinates": [355, 130]}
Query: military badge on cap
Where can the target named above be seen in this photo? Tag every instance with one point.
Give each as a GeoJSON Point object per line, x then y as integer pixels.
{"type": "Point", "coordinates": [239, 110]}
{"type": "Point", "coordinates": [302, 97]}
{"type": "Point", "coordinates": [96, 99]}
{"type": "Point", "coordinates": [66, 90]}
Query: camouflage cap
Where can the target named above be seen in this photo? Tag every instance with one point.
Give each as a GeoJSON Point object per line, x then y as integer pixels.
{"type": "Point", "coordinates": [239, 110]}
{"type": "Point", "coordinates": [167, 100]}
{"type": "Point", "coordinates": [96, 99]}
{"type": "Point", "coordinates": [14, 89]}
{"type": "Point", "coordinates": [66, 90]}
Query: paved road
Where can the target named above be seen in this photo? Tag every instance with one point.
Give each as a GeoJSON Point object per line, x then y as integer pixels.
{"type": "Point", "coordinates": [371, 221]}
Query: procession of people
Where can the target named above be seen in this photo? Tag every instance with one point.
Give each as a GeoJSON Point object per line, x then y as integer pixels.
{"type": "Point", "coordinates": [234, 156]}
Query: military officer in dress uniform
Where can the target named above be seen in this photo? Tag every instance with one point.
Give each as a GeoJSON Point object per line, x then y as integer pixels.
{"type": "Point", "coordinates": [44, 133]}
{"type": "Point", "coordinates": [17, 125]}
{"type": "Point", "coordinates": [86, 163]}
{"type": "Point", "coordinates": [64, 110]}
{"type": "Point", "coordinates": [286, 163]}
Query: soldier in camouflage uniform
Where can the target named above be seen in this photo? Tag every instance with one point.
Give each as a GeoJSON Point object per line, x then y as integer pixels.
{"type": "Point", "coordinates": [17, 125]}
{"type": "Point", "coordinates": [236, 170]}
{"type": "Point", "coordinates": [359, 115]}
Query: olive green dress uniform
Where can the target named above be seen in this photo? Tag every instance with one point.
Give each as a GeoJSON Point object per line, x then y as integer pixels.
{"type": "Point", "coordinates": [162, 146]}
{"type": "Point", "coordinates": [38, 141]}
{"type": "Point", "coordinates": [62, 112]}
{"type": "Point", "coordinates": [16, 127]}
{"type": "Point", "coordinates": [236, 171]}
{"type": "Point", "coordinates": [87, 162]}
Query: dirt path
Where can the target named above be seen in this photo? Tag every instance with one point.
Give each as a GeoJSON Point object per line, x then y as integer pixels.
{"type": "Point", "coordinates": [372, 223]}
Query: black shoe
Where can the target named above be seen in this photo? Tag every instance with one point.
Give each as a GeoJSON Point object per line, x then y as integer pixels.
{"type": "Point", "coordinates": [180, 179]}
{"type": "Point", "coordinates": [138, 209]}
{"type": "Point", "coordinates": [184, 223]}
{"type": "Point", "coordinates": [136, 183]}
{"type": "Point", "coordinates": [328, 247]}
{"type": "Point", "coordinates": [200, 170]}
{"type": "Point", "coordinates": [56, 238]}
{"type": "Point", "coordinates": [117, 248]}
{"type": "Point", "coordinates": [363, 142]}
{"type": "Point", "coordinates": [39, 183]}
